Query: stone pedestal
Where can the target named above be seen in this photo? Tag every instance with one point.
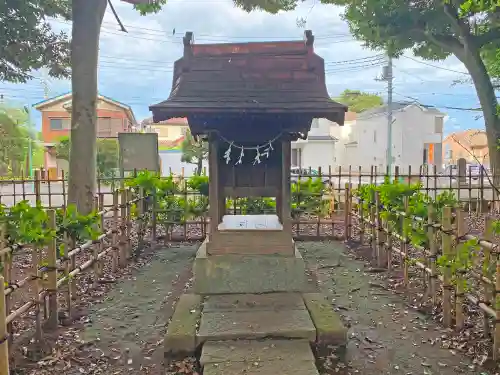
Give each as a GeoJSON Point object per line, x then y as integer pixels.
{"type": "Point", "coordinates": [248, 273]}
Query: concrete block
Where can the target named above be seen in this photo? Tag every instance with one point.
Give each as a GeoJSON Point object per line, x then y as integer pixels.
{"type": "Point", "coordinates": [180, 338]}
{"type": "Point", "coordinates": [226, 274]}
{"type": "Point", "coordinates": [329, 327]}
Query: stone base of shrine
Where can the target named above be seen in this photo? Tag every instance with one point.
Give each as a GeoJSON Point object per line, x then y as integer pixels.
{"type": "Point", "coordinates": [248, 273]}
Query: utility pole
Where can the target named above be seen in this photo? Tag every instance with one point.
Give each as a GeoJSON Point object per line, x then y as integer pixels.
{"type": "Point", "coordinates": [388, 77]}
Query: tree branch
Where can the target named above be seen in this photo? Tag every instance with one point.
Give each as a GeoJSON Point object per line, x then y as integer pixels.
{"type": "Point", "coordinates": [488, 37]}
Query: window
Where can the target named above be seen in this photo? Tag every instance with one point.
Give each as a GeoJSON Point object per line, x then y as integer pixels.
{"type": "Point", "coordinates": [295, 157]}
{"type": "Point", "coordinates": [438, 125]}
{"type": "Point", "coordinates": [103, 127]}
{"type": "Point", "coordinates": [60, 123]}
{"type": "Point", "coordinates": [184, 130]}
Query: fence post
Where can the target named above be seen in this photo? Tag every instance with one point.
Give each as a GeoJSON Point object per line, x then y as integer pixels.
{"type": "Point", "coordinates": [496, 340]}
{"type": "Point", "coordinates": [373, 232]}
{"type": "Point", "coordinates": [381, 256]}
{"type": "Point", "coordinates": [123, 228]}
{"type": "Point", "coordinates": [459, 291]}
{"type": "Point", "coordinates": [361, 214]}
{"type": "Point", "coordinates": [36, 186]}
{"type": "Point", "coordinates": [488, 289]}
{"type": "Point", "coordinates": [347, 212]}
{"type": "Point", "coordinates": [4, 336]}
{"type": "Point", "coordinates": [388, 244]}
{"type": "Point", "coordinates": [405, 243]}
{"type": "Point", "coordinates": [96, 249]}
{"type": "Point", "coordinates": [129, 198]}
{"type": "Point", "coordinates": [52, 320]}
{"type": "Point", "coordinates": [447, 252]}
{"type": "Point", "coordinates": [153, 216]}
{"type": "Point", "coordinates": [116, 238]}
{"type": "Point", "coordinates": [431, 237]}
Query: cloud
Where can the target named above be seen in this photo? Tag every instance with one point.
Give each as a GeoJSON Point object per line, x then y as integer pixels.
{"type": "Point", "coordinates": [136, 67]}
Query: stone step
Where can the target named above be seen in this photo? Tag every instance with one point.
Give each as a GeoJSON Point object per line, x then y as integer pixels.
{"type": "Point", "coordinates": [252, 357]}
{"type": "Point", "coordinates": [230, 325]}
{"type": "Point", "coordinates": [253, 302]}
{"type": "Point", "coordinates": [255, 316]}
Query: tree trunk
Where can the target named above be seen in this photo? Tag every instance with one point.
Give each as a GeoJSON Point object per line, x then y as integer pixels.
{"type": "Point", "coordinates": [489, 103]}
{"type": "Point", "coordinates": [199, 166]}
{"type": "Point", "coordinates": [87, 21]}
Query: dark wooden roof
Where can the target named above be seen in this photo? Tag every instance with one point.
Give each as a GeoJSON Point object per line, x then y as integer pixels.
{"type": "Point", "coordinates": [250, 78]}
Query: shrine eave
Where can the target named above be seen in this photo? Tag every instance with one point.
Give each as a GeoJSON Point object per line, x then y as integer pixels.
{"type": "Point", "coordinates": [162, 112]}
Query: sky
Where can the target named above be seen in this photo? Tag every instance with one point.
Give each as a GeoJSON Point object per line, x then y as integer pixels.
{"type": "Point", "coordinates": [136, 67]}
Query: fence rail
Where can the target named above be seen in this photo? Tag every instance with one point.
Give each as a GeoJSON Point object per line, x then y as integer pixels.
{"type": "Point", "coordinates": [458, 269]}
{"type": "Point", "coordinates": [53, 275]}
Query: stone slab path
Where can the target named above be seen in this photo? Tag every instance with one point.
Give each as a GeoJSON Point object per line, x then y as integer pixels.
{"type": "Point", "coordinates": [268, 357]}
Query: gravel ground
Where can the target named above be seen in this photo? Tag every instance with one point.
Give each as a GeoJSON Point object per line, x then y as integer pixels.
{"type": "Point", "coordinates": [119, 325]}
{"type": "Point", "coordinates": [121, 329]}
{"type": "Point", "coordinates": [386, 334]}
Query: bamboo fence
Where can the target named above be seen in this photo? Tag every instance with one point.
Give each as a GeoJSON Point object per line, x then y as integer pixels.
{"type": "Point", "coordinates": [452, 285]}
{"type": "Point", "coordinates": [52, 276]}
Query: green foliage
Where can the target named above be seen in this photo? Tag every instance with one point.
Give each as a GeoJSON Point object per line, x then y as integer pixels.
{"type": "Point", "coordinates": [194, 151]}
{"type": "Point", "coordinates": [199, 183]}
{"type": "Point", "coordinates": [15, 136]}
{"type": "Point", "coordinates": [308, 197]}
{"type": "Point", "coordinates": [358, 101]}
{"type": "Point", "coordinates": [398, 198]}
{"type": "Point", "coordinates": [27, 224]}
{"type": "Point", "coordinates": [29, 42]}
{"type": "Point", "coordinates": [107, 155]}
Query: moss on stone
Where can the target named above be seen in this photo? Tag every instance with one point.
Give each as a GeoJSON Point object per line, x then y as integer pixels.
{"type": "Point", "coordinates": [329, 326]}
{"type": "Point", "coordinates": [180, 338]}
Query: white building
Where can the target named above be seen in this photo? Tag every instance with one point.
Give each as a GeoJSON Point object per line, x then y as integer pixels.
{"type": "Point", "coordinates": [417, 136]}
{"type": "Point", "coordinates": [318, 150]}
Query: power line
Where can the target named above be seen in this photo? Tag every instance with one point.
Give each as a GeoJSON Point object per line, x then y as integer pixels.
{"type": "Point", "coordinates": [435, 66]}
{"type": "Point", "coordinates": [441, 106]}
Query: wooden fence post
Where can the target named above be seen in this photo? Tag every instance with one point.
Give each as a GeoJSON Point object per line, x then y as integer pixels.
{"type": "Point", "coordinates": [154, 218]}
{"type": "Point", "coordinates": [373, 232]}
{"type": "Point", "coordinates": [347, 212]}
{"type": "Point", "coordinates": [52, 320]}
{"type": "Point", "coordinates": [116, 237]}
{"type": "Point", "coordinates": [36, 187]}
{"type": "Point", "coordinates": [123, 228]}
{"type": "Point", "coordinates": [431, 237]}
{"type": "Point", "coordinates": [406, 241]}
{"type": "Point", "coordinates": [96, 249]}
{"type": "Point", "coordinates": [128, 198]}
{"type": "Point", "coordinates": [460, 276]}
{"type": "Point", "coordinates": [4, 336]}
{"type": "Point", "coordinates": [361, 221]}
{"type": "Point", "coordinates": [447, 252]}
{"type": "Point", "coordinates": [496, 340]}
{"type": "Point", "coordinates": [381, 238]}
{"type": "Point", "coordinates": [488, 289]}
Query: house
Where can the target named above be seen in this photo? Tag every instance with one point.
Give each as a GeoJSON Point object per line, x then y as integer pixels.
{"type": "Point", "coordinates": [317, 150]}
{"type": "Point", "coordinates": [417, 136]}
{"type": "Point", "coordinates": [113, 117]}
{"type": "Point", "coordinates": [171, 132]}
{"type": "Point", "coordinates": [469, 144]}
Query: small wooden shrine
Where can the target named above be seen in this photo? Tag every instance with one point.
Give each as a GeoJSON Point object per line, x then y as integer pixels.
{"type": "Point", "coordinates": [249, 100]}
